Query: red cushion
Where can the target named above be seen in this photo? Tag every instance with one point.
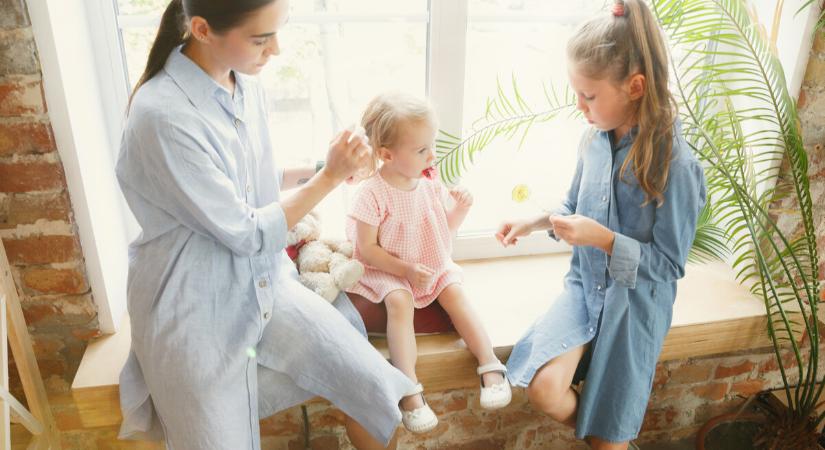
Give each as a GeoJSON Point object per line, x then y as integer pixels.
{"type": "Point", "coordinates": [430, 319]}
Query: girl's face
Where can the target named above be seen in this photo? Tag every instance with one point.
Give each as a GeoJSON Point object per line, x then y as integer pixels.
{"type": "Point", "coordinates": [247, 47]}
{"type": "Point", "coordinates": [607, 105]}
{"type": "Point", "coordinates": [414, 151]}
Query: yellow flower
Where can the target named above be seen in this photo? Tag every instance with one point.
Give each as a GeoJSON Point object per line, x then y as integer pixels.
{"type": "Point", "coordinates": [521, 192]}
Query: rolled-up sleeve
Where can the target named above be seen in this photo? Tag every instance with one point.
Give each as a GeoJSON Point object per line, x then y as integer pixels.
{"type": "Point", "coordinates": [187, 179]}
{"type": "Point", "coordinates": [663, 258]}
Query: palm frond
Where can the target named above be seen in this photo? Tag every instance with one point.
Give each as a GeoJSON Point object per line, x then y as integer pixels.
{"type": "Point", "coordinates": [741, 122]}
{"type": "Point", "coordinates": [507, 115]}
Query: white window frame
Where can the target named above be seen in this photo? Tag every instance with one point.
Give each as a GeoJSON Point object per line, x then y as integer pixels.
{"type": "Point", "coordinates": [80, 54]}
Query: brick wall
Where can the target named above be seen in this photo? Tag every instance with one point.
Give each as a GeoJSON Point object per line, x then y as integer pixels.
{"type": "Point", "coordinates": [812, 115]}
{"type": "Point", "coordinates": [36, 224]}
{"type": "Point", "coordinates": [685, 395]}
{"type": "Point", "coordinates": [38, 231]}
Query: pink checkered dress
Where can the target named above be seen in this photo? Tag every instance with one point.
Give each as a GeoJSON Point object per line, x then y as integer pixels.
{"type": "Point", "coordinates": [412, 225]}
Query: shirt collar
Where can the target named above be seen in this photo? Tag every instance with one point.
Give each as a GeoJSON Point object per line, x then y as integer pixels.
{"type": "Point", "coordinates": [193, 81]}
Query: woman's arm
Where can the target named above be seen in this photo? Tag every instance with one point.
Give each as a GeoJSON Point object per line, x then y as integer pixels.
{"type": "Point", "coordinates": [296, 176]}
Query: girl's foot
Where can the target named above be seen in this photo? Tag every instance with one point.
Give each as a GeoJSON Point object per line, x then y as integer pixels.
{"type": "Point", "coordinates": [420, 419]}
{"type": "Point", "coordinates": [495, 389]}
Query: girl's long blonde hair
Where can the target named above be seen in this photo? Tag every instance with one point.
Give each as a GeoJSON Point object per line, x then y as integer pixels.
{"type": "Point", "coordinates": [616, 46]}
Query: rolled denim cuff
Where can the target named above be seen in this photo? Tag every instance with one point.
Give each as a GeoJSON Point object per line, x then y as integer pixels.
{"type": "Point", "coordinates": [623, 264]}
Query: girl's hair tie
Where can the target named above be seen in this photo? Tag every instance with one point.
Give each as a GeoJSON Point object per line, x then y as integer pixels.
{"type": "Point", "coordinates": [618, 8]}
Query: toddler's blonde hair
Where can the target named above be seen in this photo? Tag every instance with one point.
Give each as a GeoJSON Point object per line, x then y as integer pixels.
{"type": "Point", "coordinates": [387, 114]}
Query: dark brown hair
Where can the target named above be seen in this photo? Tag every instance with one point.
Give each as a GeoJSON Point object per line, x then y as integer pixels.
{"type": "Point", "coordinates": [221, 15]}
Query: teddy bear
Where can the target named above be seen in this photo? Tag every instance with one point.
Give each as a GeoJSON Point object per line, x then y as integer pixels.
{"type": "Point", "coordinates": [325, 265]}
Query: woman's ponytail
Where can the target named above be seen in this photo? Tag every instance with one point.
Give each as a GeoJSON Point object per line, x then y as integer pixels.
{"type": "Point", "coordinates": [170, 35]}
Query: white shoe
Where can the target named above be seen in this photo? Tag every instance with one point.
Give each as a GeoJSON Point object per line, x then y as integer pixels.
{"type": "Point", "coordinates": [419, 420]}
{"type": "Point", "coordinates": [498, 395]}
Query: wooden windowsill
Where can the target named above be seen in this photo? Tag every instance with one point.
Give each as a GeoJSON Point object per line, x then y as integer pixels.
{"type": "Point", "coordinates": [713, 314]}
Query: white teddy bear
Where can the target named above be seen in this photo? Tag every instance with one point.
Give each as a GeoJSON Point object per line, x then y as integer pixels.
{"type": "Point", "coordinates": [325, 265]}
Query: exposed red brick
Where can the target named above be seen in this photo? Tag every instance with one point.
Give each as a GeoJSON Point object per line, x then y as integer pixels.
{"type": "Point", "coordinates": [711, 391]}
{"type": "Point", "coordinates": [318, 443]}
{"type": "Point", "coordinates": [668, 393]}
{"type": "Point", "coordinates": [748, 387]}
{"type": "Point", "coordinates": [492, 443]}
{"type": "Point", "coordinates": [37, 312]}
{"type": "Point", "coordinates": [732, 371]}
{"type": "Point", "coordinates": [55, 281]}
{"type": "Point", "coordinates": [25, 209]}
{"type": "Point", "coordinates": [284, 424]}
{"type": "Point", "coordinates": [20, 97]}
{"type": "Point", "coordinates": [87, 335]}
{"type": "Point", "coordinates": [42, 249]}
{"type": "Point", "coordinates": [661, 377]}
{"type": "Point", "coordinates": [25, 138]}
{"type": "Point", "coordinates": [30, 176]}
{"type": "Point", "coordinates": [691, 373]}
{"type": "Point", "coordinates": [47, 345]}
{"type": "Point", "coordinates": [659, 418]}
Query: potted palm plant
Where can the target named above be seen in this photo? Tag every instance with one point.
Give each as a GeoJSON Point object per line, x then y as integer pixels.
{"type": "Point", "coordinates": [740, 120]}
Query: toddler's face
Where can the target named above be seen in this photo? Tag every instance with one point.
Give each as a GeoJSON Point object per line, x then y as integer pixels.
{"type": "Point", "coordinates": [414, 151]}
{"type": "Point", "coordinates": [607, 105]}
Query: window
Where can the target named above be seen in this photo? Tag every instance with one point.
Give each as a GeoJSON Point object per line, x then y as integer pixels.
{"type": "Point", "coordinates": [337, 54]}
{"type": "Point", "coordinates": [453, 51]}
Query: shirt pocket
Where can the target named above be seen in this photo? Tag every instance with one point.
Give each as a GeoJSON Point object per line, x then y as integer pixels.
{"type": "Point", "coordinates": [635, 216]}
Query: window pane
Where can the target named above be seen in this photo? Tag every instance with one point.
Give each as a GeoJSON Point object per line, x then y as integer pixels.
{"type": "Point", "coordinates": [323, 79]}
{"type": "Point", "coordinates": [534, 53]}
{"type": "Point", "coordinates": [141, 6]}
{"type": "Point", "coordinates": [136, 43]}
{"type": "Point", "coordinates": [535, 7]}
{"type": "Point", "coordinates": [321, 82]}
{"type": "Point", "coordinates": [371, 7]}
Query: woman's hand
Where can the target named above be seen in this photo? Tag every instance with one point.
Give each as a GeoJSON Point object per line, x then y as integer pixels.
{"type": "Point", "coordinates": [345, 157]}
{"type": "Point", "coordinates": [418, 275]}
{"type": "Point", "coordinates": [583, 231]}
{"type": "Point", "coordinates": [509, 231]}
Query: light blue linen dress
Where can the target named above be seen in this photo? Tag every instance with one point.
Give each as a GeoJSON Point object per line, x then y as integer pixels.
{"type": "Point", "coordinates": [222, 331]}
{"type": "Point", "coordinates": [621, 304]}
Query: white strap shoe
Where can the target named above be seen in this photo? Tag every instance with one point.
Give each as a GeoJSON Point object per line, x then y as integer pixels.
{"type": "Point", "coordinates": [419, 420]}
{"type": "Point", "coordinates": [498, 395]}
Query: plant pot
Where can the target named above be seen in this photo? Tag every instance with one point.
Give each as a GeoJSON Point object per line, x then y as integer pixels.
{"type": "Point", "coordinates": [737, 430]}
{"type": "Point", "coordinates": [728, 431]}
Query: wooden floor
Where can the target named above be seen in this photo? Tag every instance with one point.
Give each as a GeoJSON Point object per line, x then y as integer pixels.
{"type": "Point", "coordinates": [82, 431]}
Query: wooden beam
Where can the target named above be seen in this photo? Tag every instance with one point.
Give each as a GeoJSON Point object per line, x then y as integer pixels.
{"type": "Point", "coordinates": [21, 348]}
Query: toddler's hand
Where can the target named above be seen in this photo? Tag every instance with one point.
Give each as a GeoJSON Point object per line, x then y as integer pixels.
{"type": "Point", "coordinates": [418, 275]}
{"type": "Point", "coordinates": [509, 232]}
{"type": "Point", "coordinates": [463, 198]}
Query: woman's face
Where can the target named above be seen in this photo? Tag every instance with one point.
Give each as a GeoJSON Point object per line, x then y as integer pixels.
{"type": "Point", "coordinates": [247, 47]}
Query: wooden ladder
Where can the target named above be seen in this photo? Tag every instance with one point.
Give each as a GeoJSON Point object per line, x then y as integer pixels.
{"type": "Point", "coordinates": [39, 422]}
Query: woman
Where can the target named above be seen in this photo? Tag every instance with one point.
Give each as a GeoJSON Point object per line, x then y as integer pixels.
{"type": "Point", "coordinates": [222, 331]}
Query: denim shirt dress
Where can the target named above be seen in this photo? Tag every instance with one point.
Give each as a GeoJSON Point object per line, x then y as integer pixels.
{"type": "Point", "coordinates": [223, 333]}
{"type": "Point", "coordinates": [621, 304]}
